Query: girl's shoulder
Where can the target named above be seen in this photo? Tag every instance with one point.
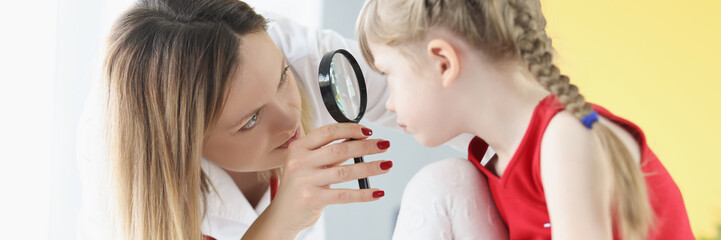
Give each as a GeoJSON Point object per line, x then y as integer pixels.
{"type": "Point", "coordinates": [565, 136]}
{"type": "Point", "coordinates": [570, 152]}
{"type": "Point", "coordinates": [568, 146]}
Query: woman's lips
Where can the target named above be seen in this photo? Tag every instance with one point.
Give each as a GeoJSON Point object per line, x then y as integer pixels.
{"type": "Point", "coordinates": [291, 139]}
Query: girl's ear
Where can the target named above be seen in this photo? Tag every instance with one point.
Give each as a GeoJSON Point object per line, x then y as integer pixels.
{"type": "Point", "coordinates": [444, 59]}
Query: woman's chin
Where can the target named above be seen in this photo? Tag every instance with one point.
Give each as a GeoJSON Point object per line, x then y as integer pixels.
{"type": "Point", "coordinates": [277, 161]}
{"type": "Point", "coordinates": [267, 165]}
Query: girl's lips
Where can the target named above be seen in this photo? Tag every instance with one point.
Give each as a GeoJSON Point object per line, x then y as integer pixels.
{"type": "Point", "coordinates": [292, 139]}
{"type": "Point", "coordinates": [404, 127]}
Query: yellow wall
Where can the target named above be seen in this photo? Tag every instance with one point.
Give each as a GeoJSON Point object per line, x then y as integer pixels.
{"type": "Point", "coordinates": [657, 63]}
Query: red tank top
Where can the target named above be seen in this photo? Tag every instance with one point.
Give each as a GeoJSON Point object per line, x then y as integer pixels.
{"type": "Point", "coordinates": [518, 193]}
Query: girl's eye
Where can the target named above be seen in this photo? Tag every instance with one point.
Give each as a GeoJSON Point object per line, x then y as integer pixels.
{"type": "Point", "coordinates": [251, 123]}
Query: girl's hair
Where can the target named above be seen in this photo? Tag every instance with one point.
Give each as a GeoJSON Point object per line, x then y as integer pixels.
{"type": "Point", "coordinates": [168, 67]}
{"type": "Point", "coordinates": [507, 29]}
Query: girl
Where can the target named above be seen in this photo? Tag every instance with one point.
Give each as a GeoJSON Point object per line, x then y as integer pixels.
{"type": "Point", "coordinates": [564, 168]}
{"type": "Point", "coordinates": [204, 103]}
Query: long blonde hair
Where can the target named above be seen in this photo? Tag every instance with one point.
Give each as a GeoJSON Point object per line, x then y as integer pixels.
{"type": "Point", "coordinates": [504, 29]}
{"type": "Point", "coordinates": [168, 66]}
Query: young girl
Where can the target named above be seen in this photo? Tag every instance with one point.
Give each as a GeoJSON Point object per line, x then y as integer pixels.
{"type": "Point", "coordinates": [564, 168]}
{"type": "Point", "coordinates": [202, 101]}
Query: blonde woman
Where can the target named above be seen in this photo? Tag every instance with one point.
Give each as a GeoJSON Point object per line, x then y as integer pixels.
{"type": "Point", "coordinates": [563, 169]}
{"type": "Point", "coordinates": [204, 102]}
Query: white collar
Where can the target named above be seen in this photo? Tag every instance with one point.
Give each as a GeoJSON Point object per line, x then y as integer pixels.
{"type": "Point", "coordinates": [227, 201]}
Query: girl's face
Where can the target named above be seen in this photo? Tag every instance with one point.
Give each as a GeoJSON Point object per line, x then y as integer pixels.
{"type": "Point", "coordinates": [417, 96]}
{"type": "Point", "coordinates": [261, 115]}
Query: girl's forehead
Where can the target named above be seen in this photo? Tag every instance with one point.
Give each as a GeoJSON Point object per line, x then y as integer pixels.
{"type": "Point", "coordinates": [382, 54]}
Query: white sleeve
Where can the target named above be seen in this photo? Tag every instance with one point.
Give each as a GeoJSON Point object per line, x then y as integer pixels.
{"type": "Point", "coordinates": [448, 199]}
{"type": "Point", "coordinates": [315, 232]}
{"type": "Point", "coordinates": [224, 229]}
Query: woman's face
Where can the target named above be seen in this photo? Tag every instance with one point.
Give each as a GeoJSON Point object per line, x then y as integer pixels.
{"type": "Point", "coordinates": [261, 115]}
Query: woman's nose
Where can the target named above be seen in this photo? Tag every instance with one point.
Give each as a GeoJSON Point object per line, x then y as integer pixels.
{"type": "Point", "coordinates": [284, 117]}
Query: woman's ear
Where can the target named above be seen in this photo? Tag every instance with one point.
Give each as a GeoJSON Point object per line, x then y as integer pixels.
{"type": "Point", "coordinates": [445, 60]}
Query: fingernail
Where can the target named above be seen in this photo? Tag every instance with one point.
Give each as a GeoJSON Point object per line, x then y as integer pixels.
{"type": "Point", "coordinates": [383, 145]}
{"type": "Point", "coordinates": [367, 131]}
{"type": "Point", "coordinates": [378, 194]}
{"type": "Point", "coordinates": [386, 165]}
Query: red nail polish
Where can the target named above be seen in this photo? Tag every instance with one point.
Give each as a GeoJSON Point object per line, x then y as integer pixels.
{"type": "Point", "coordinates": [378, 194]}
{"type": "Point", "coordinates": [367, 131]}
{"type": "Point", "coordinates": [386, 165]}
{"type": "Point", "coordinates": [383, 145]}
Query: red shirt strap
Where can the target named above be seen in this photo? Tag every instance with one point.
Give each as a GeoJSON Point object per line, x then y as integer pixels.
{"type": "Point", "coordinates": [206, 237]}
{"type": "Point", "coordinates": [273, 186]}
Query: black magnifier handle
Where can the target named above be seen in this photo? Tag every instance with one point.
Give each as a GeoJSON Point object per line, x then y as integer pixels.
{"type": "Point", "coordinates": [362, 182]}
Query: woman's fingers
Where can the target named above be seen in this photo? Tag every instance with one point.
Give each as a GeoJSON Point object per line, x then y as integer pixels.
{"type": "Point", "coordinates": [342, 196]}
{"type": "Point", "coordinates": [332, 132]}
{"type": "Point", "coordinates": [350, 172]}
{"type": "Point", "coordinates": [340, 152]}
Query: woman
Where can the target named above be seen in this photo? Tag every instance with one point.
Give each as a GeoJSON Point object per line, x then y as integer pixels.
{"type": "Point", "coordinates": [203, 106]}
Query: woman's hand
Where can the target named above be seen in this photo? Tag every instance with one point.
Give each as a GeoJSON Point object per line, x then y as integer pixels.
{"type": "Point", "coordinates": [311, 168]}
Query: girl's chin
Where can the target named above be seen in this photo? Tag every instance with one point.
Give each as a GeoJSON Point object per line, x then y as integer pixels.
{"type": "Point", "coordinates": [427, 141]}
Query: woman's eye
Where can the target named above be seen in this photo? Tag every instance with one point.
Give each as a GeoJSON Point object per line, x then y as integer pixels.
{"type": "Point", "coordinates": [251, 123]}
{"type": "Point", "coordinates": [284, 77]}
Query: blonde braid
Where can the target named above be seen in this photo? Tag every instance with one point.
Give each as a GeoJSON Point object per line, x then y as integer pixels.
{"type": "Point", "coordinates": [630, 198]}
{"type": "Point", "coordinates": [535, 48]}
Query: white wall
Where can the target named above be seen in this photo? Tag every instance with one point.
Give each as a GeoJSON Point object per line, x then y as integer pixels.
{"type": "Point", "coordinates": [306, 12]}
{"type": "Point", "coordinates": [27, 71]}
{"type": "Point", "coordinates": [82, 29]}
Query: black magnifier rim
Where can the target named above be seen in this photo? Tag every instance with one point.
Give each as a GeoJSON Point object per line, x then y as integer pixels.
{"type": "Point", "coordinates": [326, 90]}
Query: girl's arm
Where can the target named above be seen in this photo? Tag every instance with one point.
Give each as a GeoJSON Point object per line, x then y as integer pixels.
{"type": "Point", "coordinates": [576, 181]}
{"type": "Point", "coordinates": [448, 199]}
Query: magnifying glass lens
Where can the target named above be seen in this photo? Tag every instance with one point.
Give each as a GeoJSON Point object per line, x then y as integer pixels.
{"type": "Point", "coordinates": [345, 86]}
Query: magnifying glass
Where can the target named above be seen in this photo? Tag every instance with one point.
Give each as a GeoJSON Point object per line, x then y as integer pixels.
{"type": "Point", "coordinates": [344, 91]}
